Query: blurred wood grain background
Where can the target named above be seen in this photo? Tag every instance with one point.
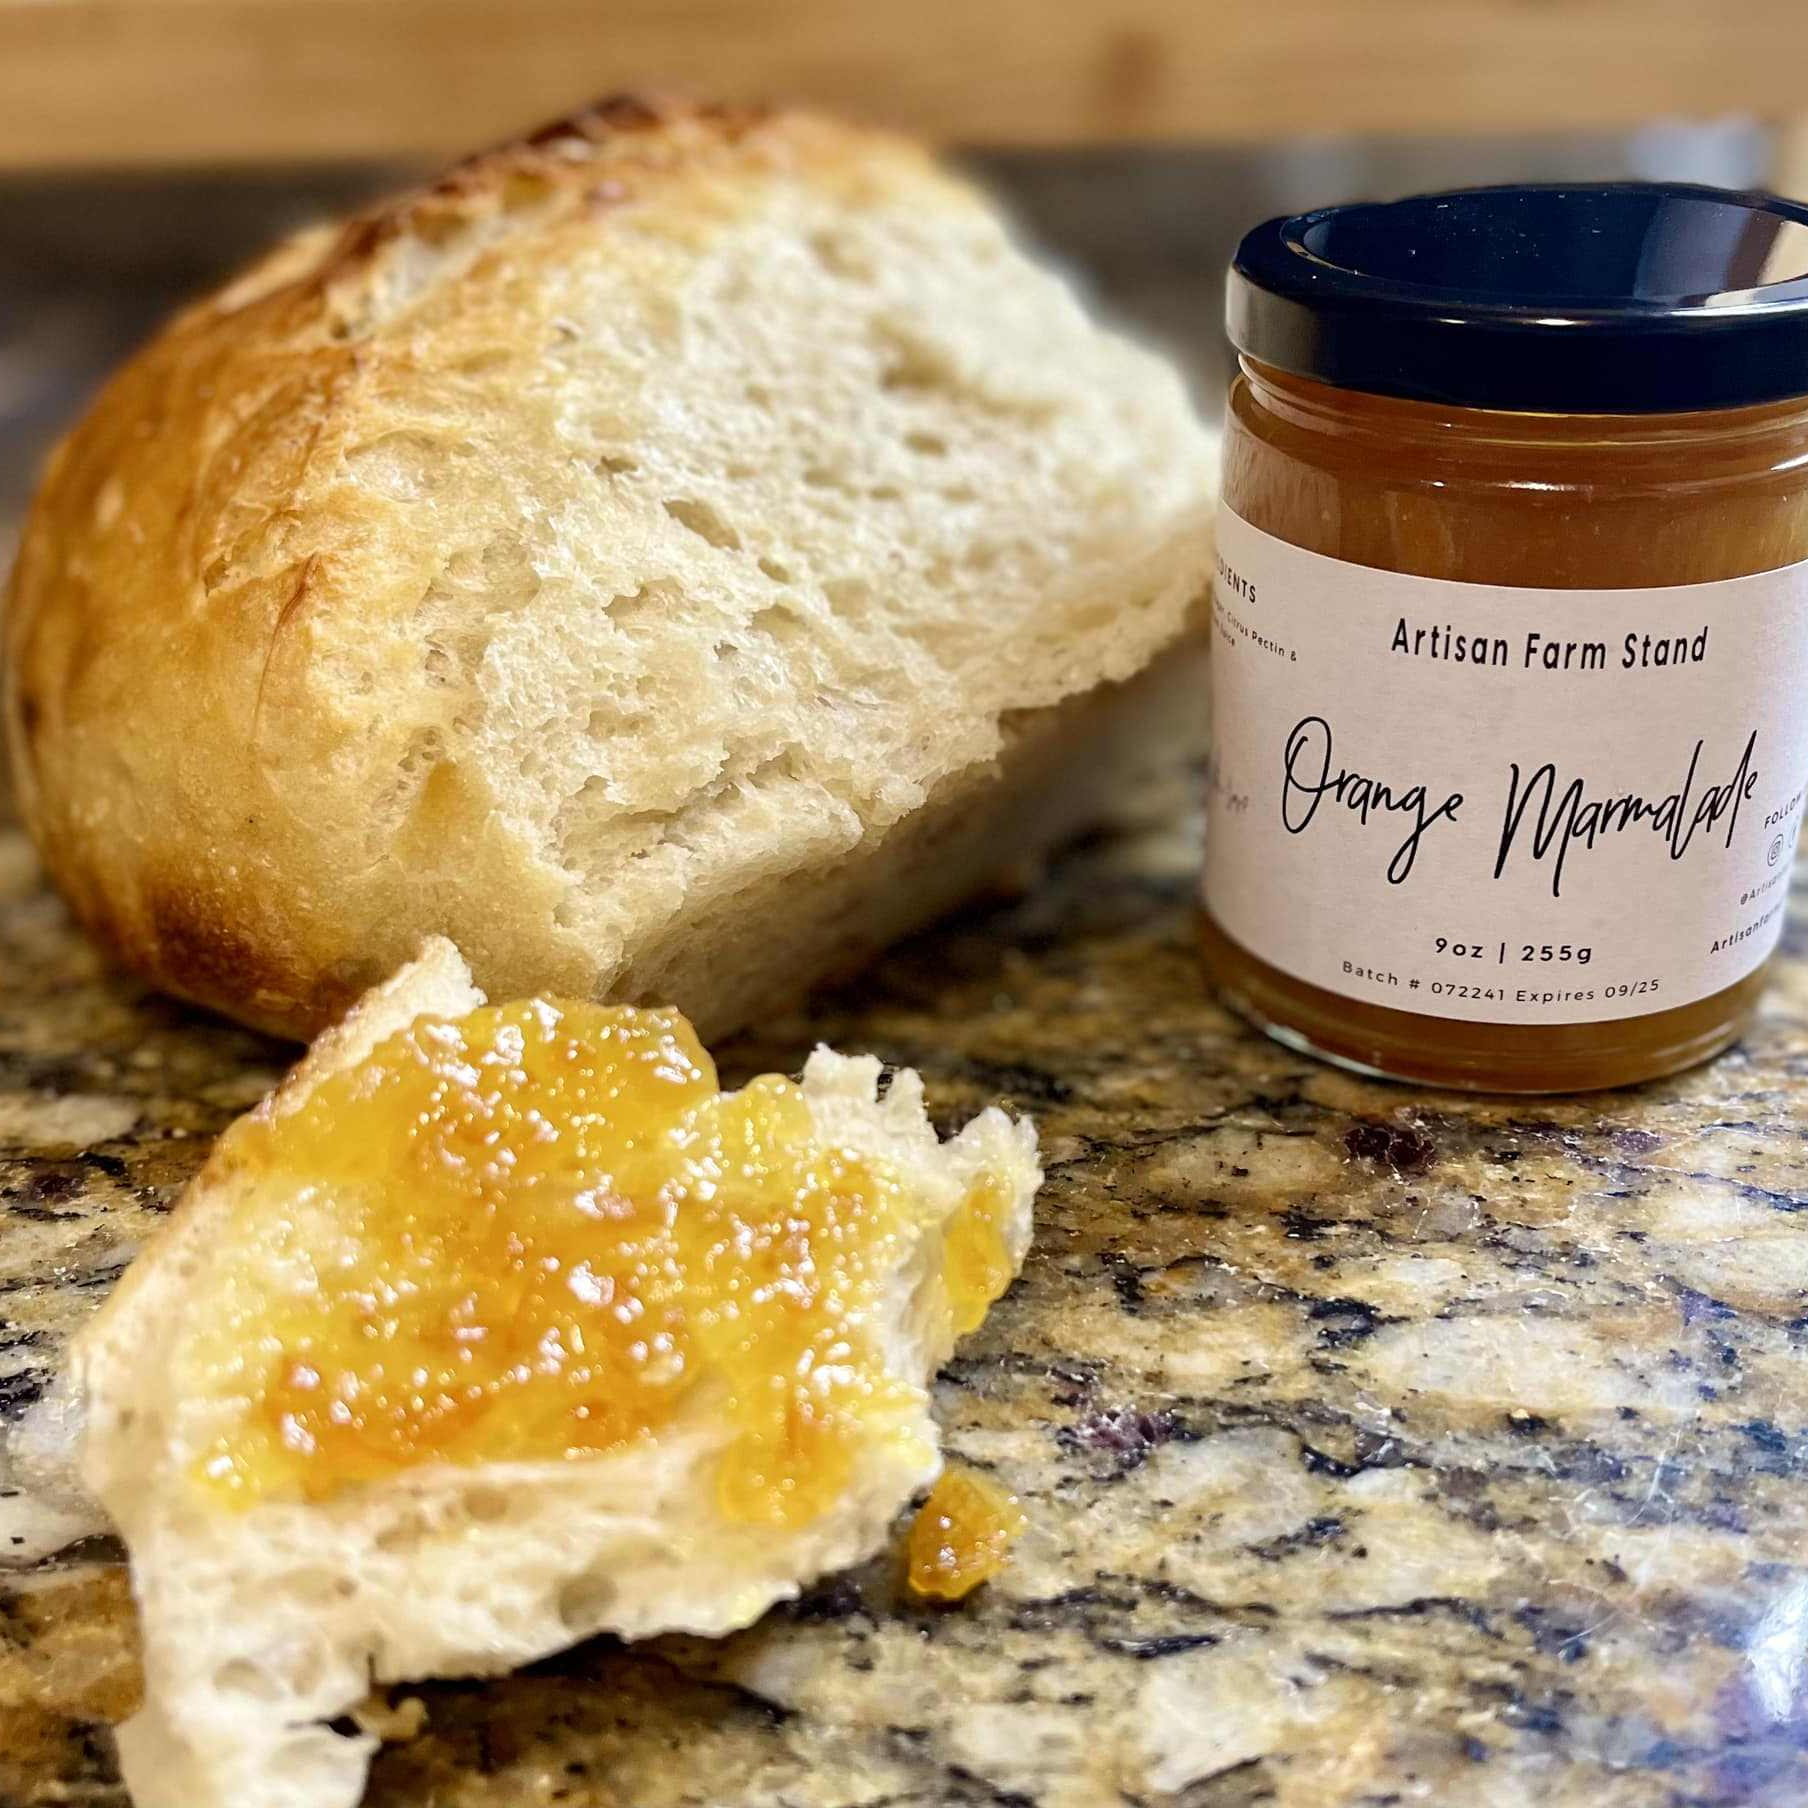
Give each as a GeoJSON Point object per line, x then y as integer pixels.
{"type": "Point", "coordinates": [116, 83]}
{"type": "Point", "coordinates": [147, 147]}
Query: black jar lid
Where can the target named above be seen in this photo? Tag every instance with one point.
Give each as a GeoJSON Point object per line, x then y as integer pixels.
{"type": "Point", "coordinates": [1567, 298]}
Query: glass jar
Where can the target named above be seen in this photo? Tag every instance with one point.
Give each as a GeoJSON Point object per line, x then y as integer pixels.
{"type": "Point", "coordinates": [1510, 636]}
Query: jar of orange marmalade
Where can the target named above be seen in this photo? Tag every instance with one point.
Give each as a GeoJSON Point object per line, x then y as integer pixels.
{"type": "Point", "coordinates": [1510, 630]}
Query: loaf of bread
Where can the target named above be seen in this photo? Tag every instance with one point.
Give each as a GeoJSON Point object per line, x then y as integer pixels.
{"type": "Point", "coordinates": [265, 1621]}
{"type": "Point", "coordinates": [671, 556]}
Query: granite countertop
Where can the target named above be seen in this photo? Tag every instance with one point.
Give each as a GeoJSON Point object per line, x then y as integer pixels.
{"type": "Point", "coordinates": [1380, 1446]}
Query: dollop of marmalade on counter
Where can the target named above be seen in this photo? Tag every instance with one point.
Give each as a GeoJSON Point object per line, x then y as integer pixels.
{"type": "Point", "coordinates": [962, 1535]}
{"type": "Point", "coordinates": [536, 1233]}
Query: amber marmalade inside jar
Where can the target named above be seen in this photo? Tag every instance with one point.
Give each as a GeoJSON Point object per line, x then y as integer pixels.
{"type": "Point", "coordinates": [1482, 496]}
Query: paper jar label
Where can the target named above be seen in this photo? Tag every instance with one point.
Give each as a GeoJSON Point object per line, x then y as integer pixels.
{"type": "Point", "coordinates": [1499, 804]}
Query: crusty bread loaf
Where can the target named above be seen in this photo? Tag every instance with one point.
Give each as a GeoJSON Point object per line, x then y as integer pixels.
{"type": "Point", "coordinates": [670, 556]}
{"type": "Point", "coordinates": [263, 1623]}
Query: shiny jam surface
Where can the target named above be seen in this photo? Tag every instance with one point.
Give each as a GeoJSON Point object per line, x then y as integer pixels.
{"type": "Point", "coordinates": [540, 1232]}
{"type": "Point", "coordinates": [962, 1535]}
{"type": "Point", "coordinates": [978, 1262]}
{"type": "Point", "coordinates": [1555, 501]}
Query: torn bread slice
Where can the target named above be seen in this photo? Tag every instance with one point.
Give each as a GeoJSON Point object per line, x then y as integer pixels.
{"type": "Point", "coordinates": [272, 1600]}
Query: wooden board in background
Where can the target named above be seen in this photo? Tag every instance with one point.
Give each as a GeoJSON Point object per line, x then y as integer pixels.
{"type": "Point", "coordinates": [87, 83]}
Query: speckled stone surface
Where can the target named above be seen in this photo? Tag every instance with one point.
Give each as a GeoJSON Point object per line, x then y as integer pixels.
{"type": "Point", "coordinates": [1381, 1447]}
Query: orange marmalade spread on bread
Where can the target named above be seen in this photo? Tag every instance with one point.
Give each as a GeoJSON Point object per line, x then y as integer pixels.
{"type": "Point", "coordinates": [978, 1260]}
{"type": "Point", "coordinates": [961, 1535]}
{"type": "Point", "coordinates": [539, 1232]}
